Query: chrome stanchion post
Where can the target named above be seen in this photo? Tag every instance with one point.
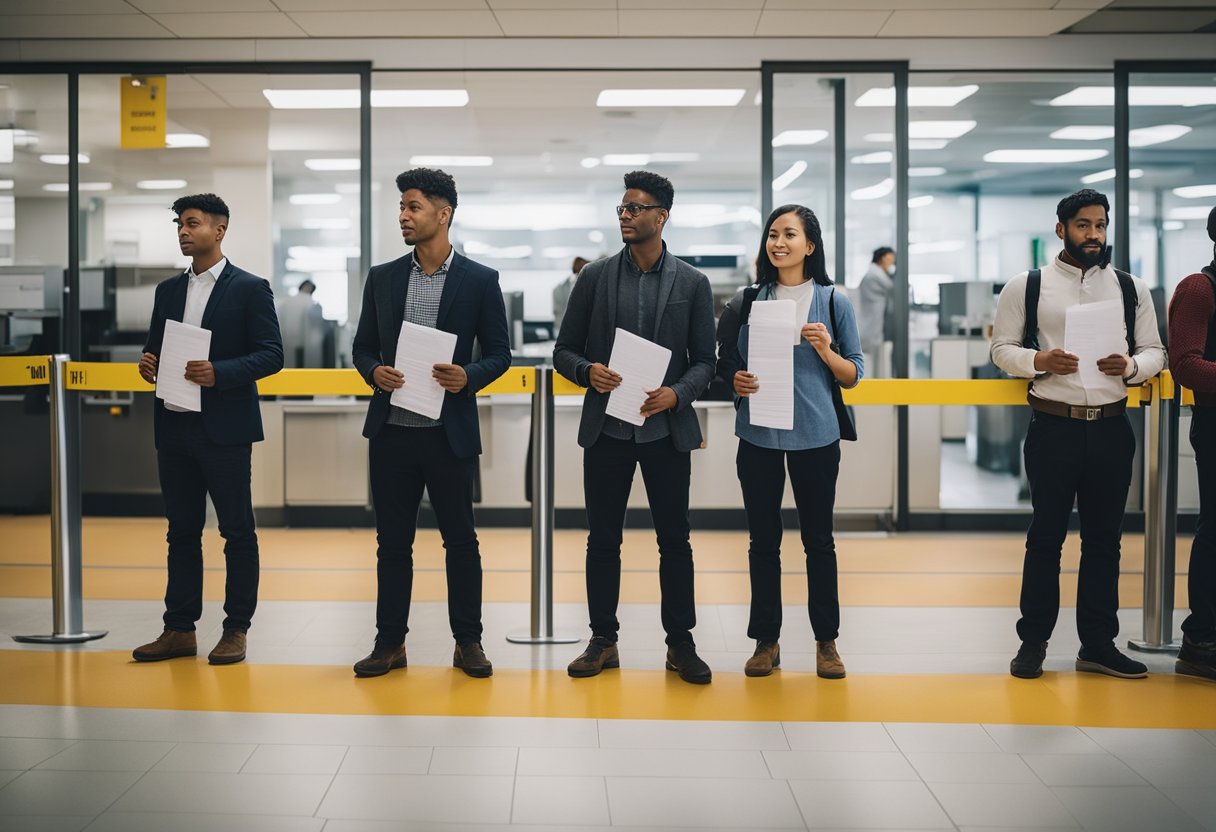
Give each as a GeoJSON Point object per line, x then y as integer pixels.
{"type": "Point", "coordinates": [66, 596]}
{"type": "Point", "coordinates": [1160, 506]}
{"type": "Point", "coordinates": [541, 631]}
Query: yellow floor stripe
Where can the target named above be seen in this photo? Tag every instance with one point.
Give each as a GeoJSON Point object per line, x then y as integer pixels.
{"type": "Point", "coordinates": [112, 680]}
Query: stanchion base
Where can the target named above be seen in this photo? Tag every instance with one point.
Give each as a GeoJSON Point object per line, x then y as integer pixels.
{"type": "Point", "coordinates": [62, 638]}
{"type": "Point", "coordinates": [528, 638]}
{"type": "Point", "coordinates": [1145, 647]}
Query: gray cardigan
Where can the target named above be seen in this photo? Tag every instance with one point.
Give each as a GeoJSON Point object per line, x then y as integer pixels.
{"type": "Point", "coordinates": [684, 323]}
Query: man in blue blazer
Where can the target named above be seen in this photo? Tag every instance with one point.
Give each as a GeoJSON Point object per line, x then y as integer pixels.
{"type": "Point", "coordinates": [209, 452]}
{"type": "Point", "coordinates": [432, 286]}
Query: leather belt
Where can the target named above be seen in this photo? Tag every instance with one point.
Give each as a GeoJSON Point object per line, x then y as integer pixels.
{"type": "Point", "coordinates": [1081, 413]}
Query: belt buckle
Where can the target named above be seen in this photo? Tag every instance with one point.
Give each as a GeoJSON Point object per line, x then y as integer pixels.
{"type": "Point", "coordinates": [1093, 414]}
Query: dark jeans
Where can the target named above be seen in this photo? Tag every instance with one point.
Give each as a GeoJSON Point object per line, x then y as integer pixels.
{"type": "Point", "coordinates": [1200, 625]}
{"type": "Point", "coordinates": [813, 477]}
{"type": "Point", "coordinates": [403, 461]}
{"type": "Point", "coordinates": [191, 467]}
{"type": "Point", "coordinates": [608, 468]}
{"type": "Point", "coordinates": [1089, 463]}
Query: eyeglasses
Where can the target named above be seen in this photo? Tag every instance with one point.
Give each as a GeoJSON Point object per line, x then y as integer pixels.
{"type": "Point", "coordinates": [633, 208]}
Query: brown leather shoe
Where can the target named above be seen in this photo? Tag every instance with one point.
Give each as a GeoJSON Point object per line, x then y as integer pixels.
{"type": "Point", "coordinates": [766, 657]}
{"type": "Point", "coordinates": [381, 660]}
{"type": "Point", "coordinates": [472, 660]}
{"type": "Point", "coordinates": [828, 663]}
{"type": "Point", "coordinates": [230, 650]}
{"type": "Point", "coordinates": [171, 644]}
{"type": "Point", "coordinates": [600, 654]}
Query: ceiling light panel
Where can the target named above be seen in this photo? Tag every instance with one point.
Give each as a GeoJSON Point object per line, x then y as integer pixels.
{"type": "Point", "coordinates": [453, 161]}
{"type": "Point", "coordinates": [669, 98]}
{"type": "Point", "coordinates": [331, 164]}
{"type": "Point", "coordinates": [799, 138]}
{"type": "Point", "coordinates": [1195, 191]}
{"type": "Point", "coordinates": [349, 99]}
{"type": "Point", "coordinates": [1109, 173]}
{"type": "Point", "coordinates": [1042, 156]}
{"type": "Point", "coordinates": [939, 129]}
{"type": "Point", "coordinates": [917, 96]}
{"type": "Point", "coordinates": [1138, 97]}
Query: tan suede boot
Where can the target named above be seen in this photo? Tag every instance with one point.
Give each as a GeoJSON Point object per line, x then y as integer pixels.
{"type": "Point", "coordinates": [766, 657]}
{"type": "Point", "coordinates": [230, 650]}
{"type": "Point", "coordinates": [171, 644]}
{"type": "Point", "coordinates": [828, 663]}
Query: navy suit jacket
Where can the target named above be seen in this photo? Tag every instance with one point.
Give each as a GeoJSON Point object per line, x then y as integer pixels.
{"type": "Point", "coordinates": [471, 306]}
{"type": "Point", "coordinates": [245, 346]}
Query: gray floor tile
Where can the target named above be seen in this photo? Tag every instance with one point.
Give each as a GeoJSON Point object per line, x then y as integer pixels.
{"type": "Point", "coordinates": [650, 762]}
{"type": "Point", "coordinates": [1119, 808]}
{"type": "Point", "coordinates": [839, 736]}
{"type": "Point", "coordinates": [563, 801]}
{"type": "Point", "coordinates": [975, 804]}
{"type": "Point", "coordinates": [1082, 770]}
{"type": "Point", "coordinates": [26, 752]}
{"type": "Point", "coordinates": [1183, 770]}
{"type": "Point", "coordinates": [419, 798]}
{"type": "Point", "coordinates": [346, 825]}
{"type": "Point", "coordinates": [362, 759]}
{"type": "Point", "coordinates": [915, 737]}
{"type": "Point", "coordinates": [7, 777]}
{"type": "Point", "coordinates": [1043, 739]}
{"type": "Point", "coordinates": [108, 755]}
{"type": "Point", "coordinates": [706, 803]}
{"type": "Point", "coordinates": [44, 823]}
{"type": "Point", "coordinates": [74, 793]}
{"type": "Point", "coordinates": [474, 761]}
{"type": "Point", "coordinates": [206, 756]}
{"type": "Point", "coordinates": [935, 767]}
{"type": "Point", "coordinates": [857, 805]}
{"type": "Point", "coordinates": [295, 759]}
{"type": "Point", "coordinates": [650, 733]}
{"type": "Point", "coordinates": [177, 822]}
{"type": "Point", "coordinates": [1200, 804]}
{"type": "Point", "coordinates": [1148, 741]}
{"type": "Point", "coordinates": [839, 765]}
{"type": "Point", "coordinates": [238, 794]}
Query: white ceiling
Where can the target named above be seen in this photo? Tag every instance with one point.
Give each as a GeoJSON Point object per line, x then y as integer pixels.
{"type": "Point", "coordinates": [246, 19]}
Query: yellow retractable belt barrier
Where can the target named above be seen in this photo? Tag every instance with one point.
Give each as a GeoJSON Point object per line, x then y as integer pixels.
{"type": "Point", "coordinates": [23, 370]}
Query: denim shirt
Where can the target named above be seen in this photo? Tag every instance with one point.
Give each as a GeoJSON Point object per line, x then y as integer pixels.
{"type": "Point", "coordinates": [815, 424]}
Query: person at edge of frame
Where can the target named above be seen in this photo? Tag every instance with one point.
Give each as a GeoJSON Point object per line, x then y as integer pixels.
{"type": "Point", "coordinates": [645, 290]}
{"type": "Point", "coordinates": [791, 265]}
{"type": "Point", "coordinates": [210, 452]}
{"type": "Point", "coordinates": [1079, 445]}
{"type": "Point", "coordinates": [1192, 320]}
{"type": "Point", "coordinates": [432, 286]}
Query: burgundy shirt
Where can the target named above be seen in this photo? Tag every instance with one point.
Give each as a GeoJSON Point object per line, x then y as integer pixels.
{"type": "Point", "coordinates": [1191, 310]}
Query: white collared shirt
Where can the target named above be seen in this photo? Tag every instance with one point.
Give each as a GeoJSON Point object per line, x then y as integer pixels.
{"type": "Point", "coordinates": [198, 292]}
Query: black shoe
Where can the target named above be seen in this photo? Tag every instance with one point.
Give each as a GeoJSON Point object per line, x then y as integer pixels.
{"type": "Point", "coordinates": [1028, 663]}
{"type": "Point", "coordinates": [472, 660]}
{"type": "Point", "coordinates": [599, 655]}
{"type": "Point", "coordinates": [683, 658]}
{"type": "Point", "coordinates": [381, 660]}
{"type": "Point", "coordinates": [1108, 661]}
{"type": "Point", "coordinates": [1197, 658]}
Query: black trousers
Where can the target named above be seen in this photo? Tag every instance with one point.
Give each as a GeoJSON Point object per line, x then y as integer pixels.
{"type": "Point", "coordinates": [813, 477]}
{"type": "Point", "coordinates": [1200, 625]}
{"type": "Point", "coordinates": [608, 468]}
{"type": "Point", "coordinates": [403, 461]}
{"type": "Point", "coordinates": [192, 467]}
{"type": "Point", "coordinates": [1089, 463]}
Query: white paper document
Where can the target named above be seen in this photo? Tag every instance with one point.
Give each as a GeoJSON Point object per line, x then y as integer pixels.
{"type": "Point", "coordinates": [770, 358]}
{"type": "Point", "coordinates": [181, 343]}
{"type": "Point", "coordinates": [1093, 331]}
{"type": "Point", "coordinates": [774, 312]}
{"type": "Point", "coordinates": [641, 365]}
{"type": "Point", "coordinates": [419, 349]}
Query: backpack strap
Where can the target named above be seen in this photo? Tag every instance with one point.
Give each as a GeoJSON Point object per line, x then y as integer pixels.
{"type": "Point", "coordinates": [1130, 299]}
{"type": "Point", "coordinates": [1030, 332]}
{"type": "Point", "coordinates": [832, 318]}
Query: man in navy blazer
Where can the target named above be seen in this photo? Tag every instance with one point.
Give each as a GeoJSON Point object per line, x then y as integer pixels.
{"type": "Point", "coordinates": [432, 286]}
{"type": "Point", "coordinates": [209, 452]}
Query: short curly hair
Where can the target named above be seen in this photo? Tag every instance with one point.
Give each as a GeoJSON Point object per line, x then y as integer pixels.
{"type": "Point", "coordinates": [434, 184]}
{"type": "Point", "coordinates": [657, 186]}
{"type": "Point", "coordinates": [1070, 205]}
{"type": "Point", "coordinates": [207, 203]}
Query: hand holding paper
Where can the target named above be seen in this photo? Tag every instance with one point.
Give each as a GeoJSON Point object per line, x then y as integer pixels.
{"type": "Point", "coordinates": [641, 366]}
{"type": "Point", "coordinates": [770, 358]}
{"type": "Point", "coordinates": [419, 349]}
{"type": "Point", "coordinates": [182, 343]}
{"type": "Point", "coordinates": [1094, 331]}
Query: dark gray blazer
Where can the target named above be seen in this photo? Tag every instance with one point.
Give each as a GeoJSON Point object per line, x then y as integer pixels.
{"type": "Point", "coordinates": [684, 323]}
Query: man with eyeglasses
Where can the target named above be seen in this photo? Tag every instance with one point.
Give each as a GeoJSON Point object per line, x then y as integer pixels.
{"type": "Point", "coordinates": [651, 293]}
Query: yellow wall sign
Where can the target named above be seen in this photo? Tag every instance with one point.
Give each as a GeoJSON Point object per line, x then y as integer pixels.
{"type": "Point", "coordinates": [143, 111]}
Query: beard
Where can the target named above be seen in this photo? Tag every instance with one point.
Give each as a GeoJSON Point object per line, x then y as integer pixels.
{"type": "Point", "coordinates": [1086, 257]}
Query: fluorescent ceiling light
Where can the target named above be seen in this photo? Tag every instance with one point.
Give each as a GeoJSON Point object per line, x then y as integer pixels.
{"type": "Point", "coordinates": [927, 144]}
{"type": "Point", "coordinates": [874, 191]}
{"type": "Point", "coordinates": [879, 138]}
{"type": "Point", "coordinates": [917, 96]}
{"type": "Point", "coordinates": [331, 164]}
{"type": "Point", "coordinates": [420, 98]}
{"type": "Point", "coordinates": [939, 129]}
{"type": "Point", "coordinates": [349, 99]}
{"type": "Point", "coordinates": [590, 162]}
{"type": "Point", "coordinates": [661, 158]}
{"type": "Point", "coordinates": [709, 215]}
{"type": "Point", "coordinates": [62, 187]}
{"type": "Point", "coordinates": [1148, 136]}
{"type": "Point", "coordinates": [920, 201]}
{"type": "Point", "coordinates": [716, 249]}
{"type": "Point", "coordinates": [325, 223]}
{"type": "Point", "coordinates": [937, 247]}
{"type": "Point", "coordinates": [786, 179]}
{"type": "Point", "coordinates": [314, 199]}
{"type": "Point", "coordinates": [478, 248]}
{"type": "Point", "coordinates": [929, 171]}
{"type": "Point", "coordinates": [1173, 225]}
{"type": "Point", "coordinates": [1195, 191]}
{"type": "Point", "coordinates": [789, 138]}
{"type": "Point", "coordinates": [669, 98]}
{"type": "Point", "coordinates": [62, 158]}
{"type": "Point", "coordinates": [6, 184]}
{"type": "Point", "coordinates": [625, 159]}
{"type": "Point", "coordinates": [24, 138]}
{"type": "Point", "coordinates": [160, 184]}
{"type": "Point", "coordinates": [1083, 133]}
{"type": "Point", "coordinates": [186, 140]}
{"type": "Point", "coordinates": [1042, 156]}
{"type": "Point", "coordinates": [881, 157]}
{"type": "Point", "coordinates": [1138, 97]}
{"type": "Point", "coordinates": [6, 146]}
{"type": "Point", "coordinates": [533, 216]}
{"type": "Point", "coordinates": [1195, 212]}
{"type": "Point", "coordinates": [1109, 173]}
{"type": "Point", "coordinates": [453, 161]}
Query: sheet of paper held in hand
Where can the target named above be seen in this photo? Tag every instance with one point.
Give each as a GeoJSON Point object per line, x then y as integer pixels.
{"type": "Point", "coordinates": [641, 365]}
{"type": "Point", "coordinates": [419, 349]}
{"type": "Point", "coordinates": [181, 343]}
{"type": "Point", "coordinates": [1093, 331]}
{"type": "Point", "coordinates": [783, 312]}
{"type": "Point", "coordinates": [770, 358]}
